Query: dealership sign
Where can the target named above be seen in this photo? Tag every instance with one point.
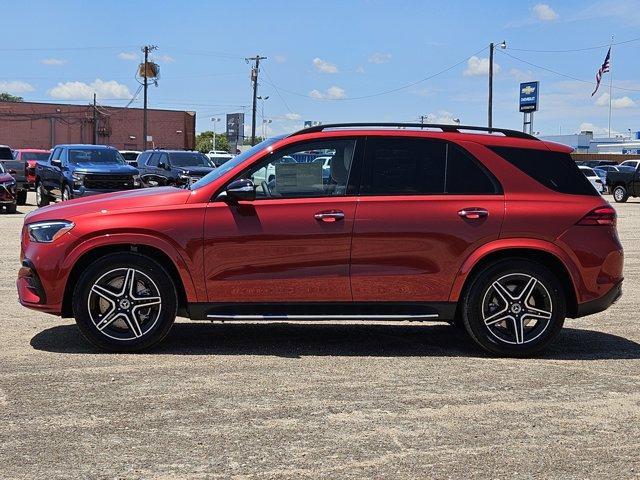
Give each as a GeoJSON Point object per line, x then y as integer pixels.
{"type": "Point", "coordinates": [529, 96]}
{"type": "Point", "coordinates": [235, 128]}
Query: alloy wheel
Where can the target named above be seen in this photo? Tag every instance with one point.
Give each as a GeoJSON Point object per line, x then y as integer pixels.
{"type": "Point", "coordinates": [618, 194]}
{"type": "Point", "coordinates": [124, 304]}
{"type": "Point", "coordinates": [517, 308]}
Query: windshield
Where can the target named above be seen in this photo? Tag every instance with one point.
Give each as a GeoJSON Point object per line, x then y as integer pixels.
{"type": "Point", "coordinates": [588, 172]}
{"type": "Point", "coordinates": [234, 162]}
{"type": "Point", "coordinates": [94, 155]}
{"type": "Point", "coordinates": [189, 159]}
{"type": "Point", "coordinates": [39, 156]}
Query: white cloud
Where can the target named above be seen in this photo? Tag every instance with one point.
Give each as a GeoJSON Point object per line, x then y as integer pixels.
{"type": "Point", "coordinates": [545, 13]}
{"type": "Point", "coordinates": [292, 116]}
{"type": "Point", "coordinates": [521, 75]}
{"type": "Point", "coordinates": [128, 56]}
{"type": "Point", "coordinates": [360, 69]}
{"type": "Point", "coordinates": [617, 103]}
{"type": "Point", "coordinates": [477, 66]}
{"type": "Point", "coordinates": [597, 130]}
{"type": "Point", "coordinates": [53, 61]}
{"type": "Point", "coordinates": [379, 58]}
{"type": "Point", "coordinates": [165, 58]}
{"type": "Point", "coordinates": [323, 66]}
{"type": "Point", "coordinates": [332, 93]}
{"type": "Point", "coordinates": [280, 58]}
{"type": "Point", "coordinates": [16, 86]}
{"type": "Point", "coordinates": [83, 91]}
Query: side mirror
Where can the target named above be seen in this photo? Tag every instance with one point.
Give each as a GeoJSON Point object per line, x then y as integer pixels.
{"type": "Point", "coordinates": [164, 166]}
{"type": "Point", "coordinates": [56, 163]}
{"type": "Point", "coordinates": [242, 189]}
{"type": "Point", "coordinates": [12, 172]}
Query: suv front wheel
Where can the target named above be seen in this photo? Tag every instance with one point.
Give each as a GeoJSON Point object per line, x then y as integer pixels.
{"type": "Point", "coordinates": [515, 307]}
{"type": "Point", "coordinates": [125, 302]}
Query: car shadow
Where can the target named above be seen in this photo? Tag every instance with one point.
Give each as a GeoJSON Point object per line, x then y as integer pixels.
{"type": "Point", "coordinates": [379, 340]}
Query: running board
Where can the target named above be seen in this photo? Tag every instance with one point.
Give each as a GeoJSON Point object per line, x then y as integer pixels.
{"type": "Point", "coordinates": [323, 317]}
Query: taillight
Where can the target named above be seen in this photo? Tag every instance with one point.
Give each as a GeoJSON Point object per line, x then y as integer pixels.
{"type": "Point", "coordinates": [599, 216]}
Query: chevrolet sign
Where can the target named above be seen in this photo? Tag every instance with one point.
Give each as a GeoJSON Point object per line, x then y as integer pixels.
{"type": "Point", "coordinates": [529, 96]}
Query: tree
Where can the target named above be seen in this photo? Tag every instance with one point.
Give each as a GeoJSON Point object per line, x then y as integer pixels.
{"type": "Point", "coordinates": [7, 97]}
{"type": "Point", "coordinates": [204, 144]}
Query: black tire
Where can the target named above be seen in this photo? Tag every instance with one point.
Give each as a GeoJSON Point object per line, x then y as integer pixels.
{"type": "Point", "coordinates": [620, 194]}
{"type": "Point", "coordinates": [501, 337]}
{"type": "Point", "coordinates": [67, 194]}
{"type": "Point", "coordinates": [21, 197]}
{"type": "Point", "coordinates": [42, 198]}
{"type": "Point", "coordinates": [118, 334]}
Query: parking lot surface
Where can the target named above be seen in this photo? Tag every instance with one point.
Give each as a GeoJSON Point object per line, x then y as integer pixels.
{"type": "Point", "coordinates": [328, 400]}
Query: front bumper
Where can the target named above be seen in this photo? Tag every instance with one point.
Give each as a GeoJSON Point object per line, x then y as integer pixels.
{"type": "Point", "coordinates": [602, 303]}
{"type": "Point", "coordinates": [84, 192]}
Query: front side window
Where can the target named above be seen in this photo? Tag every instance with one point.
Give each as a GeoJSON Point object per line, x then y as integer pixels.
{"type": "Point", "coordinates": [281, 176]}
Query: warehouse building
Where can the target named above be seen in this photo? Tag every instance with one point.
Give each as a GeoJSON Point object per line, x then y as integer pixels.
{"type": "Point", "coordinates": [43, 125]}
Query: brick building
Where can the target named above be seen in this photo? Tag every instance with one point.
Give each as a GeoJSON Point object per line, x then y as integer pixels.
{"type": "Point", "coordinates": [42, 125]}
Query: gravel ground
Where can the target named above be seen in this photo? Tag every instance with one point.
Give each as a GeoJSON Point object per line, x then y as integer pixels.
{"type": "Point", "coordinates": [319, 400]}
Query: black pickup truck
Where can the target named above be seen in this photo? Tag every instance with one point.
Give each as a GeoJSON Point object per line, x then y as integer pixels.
{"type": "Point", "coordinates": [624, 183]}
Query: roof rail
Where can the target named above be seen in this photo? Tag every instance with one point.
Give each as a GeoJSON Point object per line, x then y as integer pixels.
{"type": "Point", "coordinates": [444, 128]}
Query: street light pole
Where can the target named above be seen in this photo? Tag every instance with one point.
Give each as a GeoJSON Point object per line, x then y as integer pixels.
{"type": "Point", "coordinates": [214, 120]}
{"type": "Point", "coordinates": [503, 45]}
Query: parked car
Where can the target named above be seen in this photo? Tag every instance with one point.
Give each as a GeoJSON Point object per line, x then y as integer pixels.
{"type": "Point", "coordinates": [7, 191]}
{"type": "Point", "coordinates": [159, 168]}
{"type": "Point", "coordinates": [16, 169]}
{"type": "Point", "coordinates": [603, 170]}
{"type": "Point", "coordinates": [326, 167]}
{"type": "Point", "coordinates": [439, 224]}
{"type": "Point", "coordinates": [78, 170]}
{"type": "Point", "coordinates": [595, 163]}
{"type": "Point", "coordinates": [268, 173]}
{"type": "Point", "coordinates": [27, 158]}
{"type": "Point", "coordinates": [219, 157]}
{"type": "Point", "coordinates": [624, 183]}
{"type": "Point", "coordinates": [595, 180]}
{"type": "Point", "coordinates": [631, 163]}
{"type": "Point", "coordinates": [131, 157]}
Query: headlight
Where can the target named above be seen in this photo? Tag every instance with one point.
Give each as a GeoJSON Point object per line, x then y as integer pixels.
{"type": "Point", "coordinates": [47, 232]}
{"type": "Point", "coordinates": [78, 178]}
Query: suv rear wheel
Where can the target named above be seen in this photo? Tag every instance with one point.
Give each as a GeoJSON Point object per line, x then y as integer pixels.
{"type": "Point", "coordinates": [125, 302]}
{"type": "Point", "coordinates": [620, 194]}
{"type": "Point", "coordinates": [515, 307]}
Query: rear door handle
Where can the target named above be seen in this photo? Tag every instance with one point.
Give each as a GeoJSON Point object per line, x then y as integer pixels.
{"type": "Point", "coordinates": [329, 216]}
{"type": "Point", "coordinates": [473, 213]}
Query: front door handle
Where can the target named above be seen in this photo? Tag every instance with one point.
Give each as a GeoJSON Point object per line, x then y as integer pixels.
{"type": "Point", "coordinates": [329, 216]}
{"type": "Point", "coordinates": [473, 213]}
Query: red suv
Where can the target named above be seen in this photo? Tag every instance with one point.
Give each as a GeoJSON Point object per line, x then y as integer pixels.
{"type": "Point", "coordinates": [491, 229]}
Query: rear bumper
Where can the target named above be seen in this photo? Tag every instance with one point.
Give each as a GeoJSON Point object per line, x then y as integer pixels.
{"type": "Point", "coordinates": [602, 303]}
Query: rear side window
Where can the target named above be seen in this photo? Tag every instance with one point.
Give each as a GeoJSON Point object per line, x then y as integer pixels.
{"type": "Point", "coordinates": [554, 170]}
{"type": "Point", "coordinates": [416, 166]}
{"type": "Point", "coordinates": [404, 166]}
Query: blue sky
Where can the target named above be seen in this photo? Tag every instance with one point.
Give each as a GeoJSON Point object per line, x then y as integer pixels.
{"type": "Point", "coordinates": [323, 55]}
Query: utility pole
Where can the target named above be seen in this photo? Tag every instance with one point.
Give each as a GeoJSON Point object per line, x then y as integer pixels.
{"type": "Point", "coordinates": [254, 79]}
{"type": "Point", "coordinates": [423, 118]}
{"type": "Point", "coordinates": [503, 45]}
{"type": "Point", "coordinates": [145, 78]}
{"type": "Point", "coordinates": [95, 121]}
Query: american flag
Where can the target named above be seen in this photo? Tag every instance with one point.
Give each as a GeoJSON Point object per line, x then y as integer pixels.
{"type": "Point", "coordinates": [603, 69]}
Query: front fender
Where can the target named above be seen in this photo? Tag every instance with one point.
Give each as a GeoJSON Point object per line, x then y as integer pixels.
{"type": "Point", "coordinates": [182, 263]}
{"type": "Point", "coordinates": [513, 244]}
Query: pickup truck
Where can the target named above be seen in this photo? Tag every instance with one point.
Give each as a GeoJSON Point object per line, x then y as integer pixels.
{"type": "Point", "coordinates": [16, 169]}
{"type": "Point", "coordinates": [624, 183]}
{"type": "Point", "coordinates": [79, 170]}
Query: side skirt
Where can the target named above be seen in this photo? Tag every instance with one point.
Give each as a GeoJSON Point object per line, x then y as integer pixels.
{"type": "Point", "coordinates": [394, 311]}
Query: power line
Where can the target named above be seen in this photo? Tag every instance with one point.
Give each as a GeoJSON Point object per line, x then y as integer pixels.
{"type": "Point", "coordinates": [385, 92]}
{"type": "Point", "coordinates": [555, 72]}
{"type": "Point", "coordinates": [46, 49]}
{"type": "Point", "coordinates": [596, 47]}
{"type": "Point", "coordinates": [286, 105]}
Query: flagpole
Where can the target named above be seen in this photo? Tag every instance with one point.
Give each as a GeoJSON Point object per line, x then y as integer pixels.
{"type": "Point", "coordinates": [610, 83]}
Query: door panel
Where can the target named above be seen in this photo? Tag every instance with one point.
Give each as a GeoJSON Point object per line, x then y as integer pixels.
{"type": "Point", "coordinates": [276, 250]}
{"type": "Point", "coordinates": [410, 248]}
